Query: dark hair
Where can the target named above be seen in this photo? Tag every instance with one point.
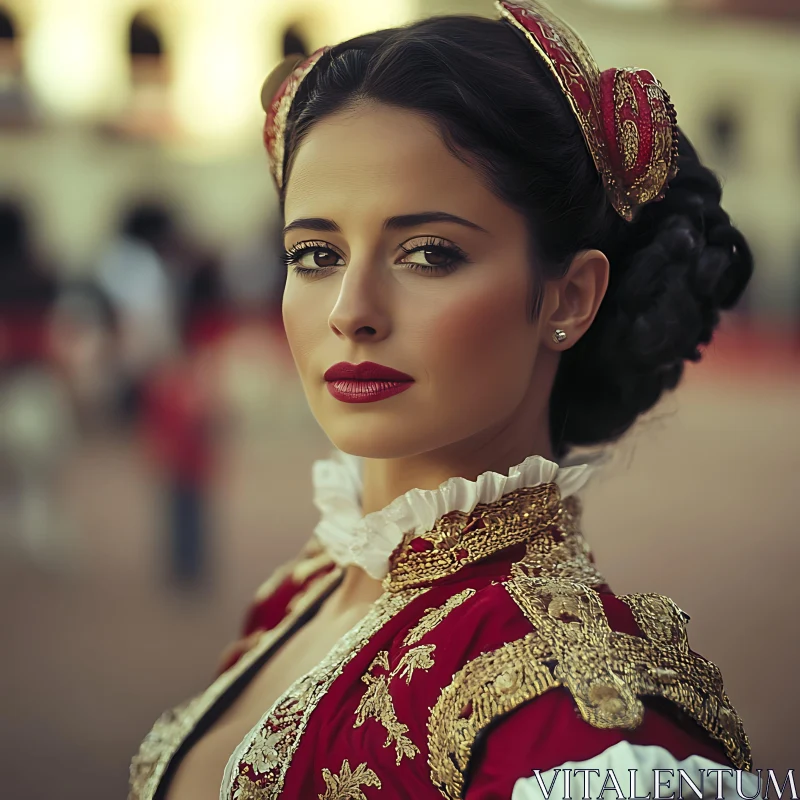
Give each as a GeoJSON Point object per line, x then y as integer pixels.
{"type": "Point", "coordinates": [672, 270]}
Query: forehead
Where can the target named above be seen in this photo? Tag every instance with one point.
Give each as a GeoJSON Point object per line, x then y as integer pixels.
{"type": "Point", "coordinates": [376, 161]}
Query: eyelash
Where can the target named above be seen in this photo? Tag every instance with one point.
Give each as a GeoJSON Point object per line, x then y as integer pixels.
{"type": "Point", "coordinates": [293, 254]}
{"type": "Point", "coordinates": [454, 254]}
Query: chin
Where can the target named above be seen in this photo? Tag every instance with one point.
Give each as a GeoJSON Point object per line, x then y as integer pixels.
{"type": "Point", "coordinates": [375, 438]}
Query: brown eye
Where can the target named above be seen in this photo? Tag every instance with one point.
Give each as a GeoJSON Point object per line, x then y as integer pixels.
{"type": "Point", "coordinates": [433, 256]}
{"type": "Point", "coordinates": [313, 258]}
{"type": "Point", "coordinates": [436, 257]}
{"type": "Point", "coordinates": [325, 258]}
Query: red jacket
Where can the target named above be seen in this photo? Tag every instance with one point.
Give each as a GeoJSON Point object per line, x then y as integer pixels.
{"type": "Point", "coordinates": [496, 650]}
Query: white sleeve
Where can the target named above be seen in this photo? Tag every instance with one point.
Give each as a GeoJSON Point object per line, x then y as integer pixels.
{"type": "Point", "coordinates": [638, 772]}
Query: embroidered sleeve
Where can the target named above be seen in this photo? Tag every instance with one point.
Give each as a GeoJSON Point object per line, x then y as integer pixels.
{"type": "Point", "coordinates": [594, 670]}
{"type": "Point", "coordinates": [549, 732]}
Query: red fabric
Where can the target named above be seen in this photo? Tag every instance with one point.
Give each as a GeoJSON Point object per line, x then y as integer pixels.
{"type": "Point", "coordinates": [548, 732]}
{"type": "Point", "coordinates": [542, 733]}
{"type": "Point", "coordinates": [265, 613]}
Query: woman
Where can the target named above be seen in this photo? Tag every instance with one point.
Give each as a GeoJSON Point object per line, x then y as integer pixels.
{"type": "Point", "coordinates": [496, 254]}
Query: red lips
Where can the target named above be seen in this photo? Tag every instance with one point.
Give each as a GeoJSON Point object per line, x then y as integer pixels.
{"type": "Point", "coordinates": [365, 371]}
{"type": "Point", "coordinates": [366, 382]}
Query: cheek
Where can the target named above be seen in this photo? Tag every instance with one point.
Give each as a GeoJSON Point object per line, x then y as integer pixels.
{"type": "Point", "coordinates": [484, 333]}
{"type": "Point", "coordinates": [303, 322]}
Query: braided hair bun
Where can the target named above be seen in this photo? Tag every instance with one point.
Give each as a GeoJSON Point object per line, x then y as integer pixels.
{"type": "Point", "coordinates": [672, 272]}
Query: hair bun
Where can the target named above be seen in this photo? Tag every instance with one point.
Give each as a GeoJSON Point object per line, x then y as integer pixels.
{"type": "Point", "coordinates": [681, 263]}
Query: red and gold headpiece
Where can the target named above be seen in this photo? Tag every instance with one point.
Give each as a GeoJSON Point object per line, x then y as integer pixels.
{"type": "Point", "coordinates": [625, 115]}
{"type": "Point", "coordinates": [277, 95]}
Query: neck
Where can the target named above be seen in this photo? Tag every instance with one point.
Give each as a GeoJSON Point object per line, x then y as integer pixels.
{"type": "Point", "coordinates": [495, 449]}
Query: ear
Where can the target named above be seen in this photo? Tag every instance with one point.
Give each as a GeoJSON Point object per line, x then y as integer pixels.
{"type": "Point", "coordinates": [571, 302]}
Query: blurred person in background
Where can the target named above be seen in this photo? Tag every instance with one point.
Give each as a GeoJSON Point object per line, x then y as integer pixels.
{"type": "Point", "coordinates": [37, 425]}
{"type": "Point", "coordinates": [133, 273]}
{"type": "Point", "coordinates": [498, 257]}
{"type": "Point", "coordinates": [166, 289]}
{"type": "Point", "coordinates": [178, 427]}
{"type": "Point", "coordinates": [84, 345]}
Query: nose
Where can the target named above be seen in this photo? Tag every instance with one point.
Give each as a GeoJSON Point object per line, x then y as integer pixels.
{"type": "Point", "coordinates": [361, 312]}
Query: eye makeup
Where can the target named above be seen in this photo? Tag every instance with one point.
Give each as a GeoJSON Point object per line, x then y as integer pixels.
{"type": "Point", "coordinates": [320, 251]}
{"type": "Point", "coordinates": [430, 255]}
{"type": "Point", "coordinates": [440, 255]}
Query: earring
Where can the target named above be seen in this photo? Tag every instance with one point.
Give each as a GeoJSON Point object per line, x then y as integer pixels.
{"type": "Point", "coordinates": [559, 335]}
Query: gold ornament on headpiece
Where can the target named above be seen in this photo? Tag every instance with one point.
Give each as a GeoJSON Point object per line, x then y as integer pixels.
{"type": "Point", "coordinates": [277, 95]}
{"type": "Point", "coordinates": [626, 117]}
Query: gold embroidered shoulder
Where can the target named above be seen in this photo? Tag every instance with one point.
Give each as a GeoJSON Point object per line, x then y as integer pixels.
{"type": "Point", "coordinates": [496, 648]}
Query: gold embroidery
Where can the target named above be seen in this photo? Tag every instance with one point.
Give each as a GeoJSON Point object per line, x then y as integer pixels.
{"type": "Point", "coordinates": [560, 551]}
{"type": "Point", "coordinates": [264, 755]}
{"type": "Point", "coordinates": [568, 59]}
{"type": "Point", "coordinates": [459, 539]}
{"type": "Point", "coordinates": [247, 790]}
{"type": "Point", "coordinates": [417, 658]}
{"type": "Point", "coordinates": [282, 106]}
{"type": "Point", "coordinates": [291, 711]}
{"type": "Point", "coordinates": [488, 686]}
{"type": "Point", "coordinates": [347, 785]}
{"type": "Point", "coordinates": [169, 732]}
{"type": "Point", "coordinates": [433, 616]}
{"type": "Point", "coordinates": [376, 703]}
{"type": "Point", "coordinates": [606, 672]}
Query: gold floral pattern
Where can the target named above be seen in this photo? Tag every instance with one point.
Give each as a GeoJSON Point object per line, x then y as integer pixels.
{"type": "Point", "coordinates": [433, 616]}
{"type": "Point", "coordinates": [290, 713]}
{"type": "Point", "coordinates": [265, 752]}
{"type": "Point", "coordinates": [572, 645]}
{"type": "Point", "coordinates": [247, 790]}
{"type": "Point", "coordinates": [376, 703]}
{"type": "Point", "coordinates": [347, 784]}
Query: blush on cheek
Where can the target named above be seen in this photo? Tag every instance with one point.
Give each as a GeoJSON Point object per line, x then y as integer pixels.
{"type": "Point", "coordinates": [483, 329]}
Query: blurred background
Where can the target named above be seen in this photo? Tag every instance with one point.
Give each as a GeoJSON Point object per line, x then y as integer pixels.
{"type": "Point", "coordinates": [154, 443]}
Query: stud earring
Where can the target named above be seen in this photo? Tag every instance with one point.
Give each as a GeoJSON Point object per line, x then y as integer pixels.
{"type": "Point", "coordinates": [559, 335]}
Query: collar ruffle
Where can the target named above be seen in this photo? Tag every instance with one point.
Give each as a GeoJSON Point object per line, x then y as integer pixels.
{"type": "Point", "coordinates": [369, 540]}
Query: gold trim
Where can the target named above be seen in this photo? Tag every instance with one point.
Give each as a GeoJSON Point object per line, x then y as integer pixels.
{"type": "Point", "coordinates": [606, 672]}
{"type": "Point", "coordinates": [458, 539]}
{"type": "Point", "coordinates": [560, 551]}
{"type": "Point", "coordinates": [292, 710]}
{"type": "Point", "coordinates": [490, 685]}
{"type": "Point", "coordinates": [173, 727]}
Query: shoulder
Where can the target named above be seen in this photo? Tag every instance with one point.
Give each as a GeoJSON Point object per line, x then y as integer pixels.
{"type": "Point", "coordinates": [279, 596]}
{"type": "Point", "coordinates": [559, 671]}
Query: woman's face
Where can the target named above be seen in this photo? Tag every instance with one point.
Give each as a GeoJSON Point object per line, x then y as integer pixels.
{"type": "Point", "coordinates": [399, 255]}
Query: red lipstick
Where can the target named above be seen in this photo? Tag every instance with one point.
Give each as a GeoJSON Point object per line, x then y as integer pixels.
{"type": "Point", "coordinates": [365, 382]}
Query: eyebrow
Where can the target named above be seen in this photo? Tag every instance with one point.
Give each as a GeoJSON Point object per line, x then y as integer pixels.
{"type": "Point", "coordinates": [392, 223]}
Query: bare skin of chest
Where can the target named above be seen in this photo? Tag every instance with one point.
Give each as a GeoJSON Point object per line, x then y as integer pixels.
{"type": "Point", "coordinates": [199, 775]}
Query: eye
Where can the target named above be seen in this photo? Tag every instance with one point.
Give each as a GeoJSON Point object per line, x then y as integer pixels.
{"type": "Point", "coordinates": [309, 257]}
{"type": "Point", "coordinates": [432, 254]}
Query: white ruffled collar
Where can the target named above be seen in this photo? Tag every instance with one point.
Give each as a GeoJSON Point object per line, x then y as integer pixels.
{"type": "Point", "coordinates": [368, 541]}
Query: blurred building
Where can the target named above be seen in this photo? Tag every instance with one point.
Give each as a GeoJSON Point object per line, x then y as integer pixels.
{"type": "Point", "coordinates": [125, 99]}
